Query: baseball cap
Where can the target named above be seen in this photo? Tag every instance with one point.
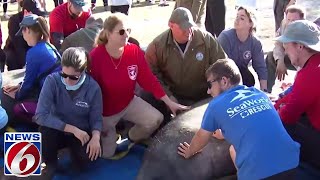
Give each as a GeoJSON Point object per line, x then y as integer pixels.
{"type": "Point", "coordinates": [27, 21]}
{"type": "Point", "coordinates": [33, 6]}
{"type": "Point", "coordinates": [80, 5]}
{"type": "Point", "coordinates": [304, 32]}
{"type": "Point", "coordinates": [183, 17]}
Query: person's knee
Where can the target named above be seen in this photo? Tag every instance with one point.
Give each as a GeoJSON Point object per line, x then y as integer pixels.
{"type": "Point", "coordinates": [155, 121]}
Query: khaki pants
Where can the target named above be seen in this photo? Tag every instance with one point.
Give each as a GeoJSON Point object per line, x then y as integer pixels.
{"type": "Point", "coordinates": [145, 117]}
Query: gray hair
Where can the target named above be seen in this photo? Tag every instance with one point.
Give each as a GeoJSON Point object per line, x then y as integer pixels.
{"type": "Point", "coordinates": [75, 57]}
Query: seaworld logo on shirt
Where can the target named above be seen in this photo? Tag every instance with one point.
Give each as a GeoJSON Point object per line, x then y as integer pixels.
{"type": "Point", "coordinates": [82, 104]}
{"type": "Point", "coordinates": [249, 107]}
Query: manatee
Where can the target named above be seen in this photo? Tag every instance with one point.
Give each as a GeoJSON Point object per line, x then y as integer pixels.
{"type": "Point", "coordinates": [161, 161]}
{"type": "Point", "coordinates": [13, 77]}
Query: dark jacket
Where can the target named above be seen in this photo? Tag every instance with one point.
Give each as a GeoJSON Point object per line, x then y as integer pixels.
{"type": "Point", "coordinates": [16, 47]}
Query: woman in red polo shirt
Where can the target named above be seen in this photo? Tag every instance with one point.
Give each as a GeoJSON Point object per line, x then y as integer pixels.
{"type": "Point", "coordinates": [118, 66]}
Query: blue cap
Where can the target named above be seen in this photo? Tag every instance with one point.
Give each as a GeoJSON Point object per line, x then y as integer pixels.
{"type": "Point", "coordinates": [27, 21]}
{"type": "Point", "coordinates": [304, 32]}
{"type": "Point", "coordinates": [80, 4]}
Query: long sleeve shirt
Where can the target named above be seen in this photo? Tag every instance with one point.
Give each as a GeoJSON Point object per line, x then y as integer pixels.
{"type": "Point", "coordinates": [118, 78]}
{"type": "Point", "coordinates": [39, 59]}
{"type": "Point", "coordinates": [56, 107]}
{"type": "Point", "coordinates": [304, 97]}
{"type": "Point", "coordinates": [243, 52]}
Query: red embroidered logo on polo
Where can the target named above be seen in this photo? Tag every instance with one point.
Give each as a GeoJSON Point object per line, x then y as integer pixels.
{"type": "Point", "coordinates": [132, 72]}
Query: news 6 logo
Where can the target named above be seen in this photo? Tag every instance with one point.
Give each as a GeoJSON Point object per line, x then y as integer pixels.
{"type": "Point", "coordinates": [22, 154]}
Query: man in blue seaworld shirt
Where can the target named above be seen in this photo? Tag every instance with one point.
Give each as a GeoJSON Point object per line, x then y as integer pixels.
{"type": "Point", "coordinates": [260, 146]}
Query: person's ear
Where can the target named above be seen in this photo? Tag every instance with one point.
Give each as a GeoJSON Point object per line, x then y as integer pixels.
{"type": "Point", "coordinates": [170, 24]}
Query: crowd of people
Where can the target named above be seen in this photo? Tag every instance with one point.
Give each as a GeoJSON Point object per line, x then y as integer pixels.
{"type": "Point", "coordinates": [76, 99]}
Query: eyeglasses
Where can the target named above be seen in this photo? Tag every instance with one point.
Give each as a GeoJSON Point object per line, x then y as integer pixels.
{"type": "Point", "coordinates": [122, 31]}
{"type": "Point", "coordinates": [209, 83]}
{"type": "Point", "coordinates": [72, 77]}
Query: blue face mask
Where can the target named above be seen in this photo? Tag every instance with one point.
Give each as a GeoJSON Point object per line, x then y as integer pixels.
{"type": "Point", "coordinates": [76, 86]}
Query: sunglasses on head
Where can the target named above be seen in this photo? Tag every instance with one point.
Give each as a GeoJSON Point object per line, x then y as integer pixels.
{"type": "Point", "coordinates": [122, 31]}
{"type": "Point", "coordinates": [209, 83]}
{"type": "Point", "coordinates": [72, 77]}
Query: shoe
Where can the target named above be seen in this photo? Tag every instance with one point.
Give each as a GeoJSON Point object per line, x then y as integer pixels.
{"type": "Point", "coordinates": [6, 16]}
{"type": "Point", "coordinates": [163, 4]}
{"type": "Point", "coordinates": [93, 7]}
{"type": "Point", "coordinates": [122, 150]}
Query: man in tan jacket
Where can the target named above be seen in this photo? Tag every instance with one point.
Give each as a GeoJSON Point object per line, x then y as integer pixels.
{"type": "Point", "coordinates": [197, 9]}
{"type": "Point", "coordinates": [277, 61]}
{"type": "Point", "coordinates": [179, 58]}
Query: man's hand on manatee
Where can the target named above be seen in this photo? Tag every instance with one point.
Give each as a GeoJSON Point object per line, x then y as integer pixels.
{"type": "Point", "coordinates": [184, 150]}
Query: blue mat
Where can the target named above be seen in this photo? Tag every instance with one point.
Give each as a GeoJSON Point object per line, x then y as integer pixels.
{"type": "Point", "coordinates": [127, 168]}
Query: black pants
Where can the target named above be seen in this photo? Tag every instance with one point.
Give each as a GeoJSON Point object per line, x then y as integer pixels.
{"type": "Point", "coordinates": [272, 67]}
{"type": "Point", "coordinates": [215, 16]}
{"type": "Point", "coordinates": [122, 9]}
{"type": "Point", "coordinates": [105, 2]}
{"type": "Point", "coordinates": [247, 77]}
{"type": "Point", "coordinates": [278, 11]}
{"type": "Point", "coordinates": [57, 2]}
{"type": "Point", "coordinates": [309, 139]}
{"type": "Point", "coordinates": [286, 175]}
{"type": "Point", "coordinates": [5, 5]}
{"type": "Point", "coordinates": [54, 140]}
{"type": "Point", "coordinates": [2, 60]}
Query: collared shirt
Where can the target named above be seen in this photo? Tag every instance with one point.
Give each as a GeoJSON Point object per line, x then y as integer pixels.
{"type": "Point", "coordinates": [183, 75]}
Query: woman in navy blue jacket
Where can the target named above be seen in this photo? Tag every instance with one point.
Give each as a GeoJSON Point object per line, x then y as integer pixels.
{"type": "Point", "coordinates": [69, 113]}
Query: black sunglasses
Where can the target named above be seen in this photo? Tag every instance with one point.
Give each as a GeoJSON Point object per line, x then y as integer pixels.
{"type": "Point", "coordinates": [122, 31]}
{"type": "Point", "coordinates": [72, 77]}
{"type": "Point", "coordinates": [209, 83]}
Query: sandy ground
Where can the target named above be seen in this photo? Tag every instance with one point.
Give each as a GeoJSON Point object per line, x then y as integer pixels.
{"type": "Point", "coordinates": [150, 20]}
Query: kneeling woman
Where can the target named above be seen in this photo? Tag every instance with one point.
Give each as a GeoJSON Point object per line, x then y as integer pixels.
{"type": "Point", "coordinates": [118, 66]}
{"type": "Point", "coordinates": [242, 46]}
{"type": "Point", "coordinates": [69, 111]}
{"type": "Point", "coordinates": [41, 60]}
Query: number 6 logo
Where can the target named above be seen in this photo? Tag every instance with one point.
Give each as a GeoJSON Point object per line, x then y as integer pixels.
{"type": "Point", "coordinates": [22, 159]}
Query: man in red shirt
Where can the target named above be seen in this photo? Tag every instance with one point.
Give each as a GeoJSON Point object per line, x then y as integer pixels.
{"type": "Point", "coordinates": [66, 19]}
{"type": "Point", "coordinates": [300, 109]}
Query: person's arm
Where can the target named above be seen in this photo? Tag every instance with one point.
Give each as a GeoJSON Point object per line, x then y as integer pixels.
{"type": "Point", "coordinates": [43, 115]}
{"type": "Point", "coordinates": [56, 29]}
{"type": "Point", "coordinates": [259, 65]}
{"type": "Point", "coordinates": [202, 137]}
{"type": "Point", "coordinates": [95, 120]}
{"type": "Point", "coordinates": [195, 9]}
{"type": "Point", "coordinates": [300, 99]}
{"type": "Point", "coordinates": [198, 142]}
{"type": "Point", "coordinates": [65, 44]}
{"type": "Point", "coordinates": [154, 63]}
{"type": "Point", "coordinates": [57, 39]}
{"type": "Point", "coordinates": [32, 69]}
{"type": "Point", "coordinates": [150, 83]}
{"type": "Point", "coordinates": [220, 48]}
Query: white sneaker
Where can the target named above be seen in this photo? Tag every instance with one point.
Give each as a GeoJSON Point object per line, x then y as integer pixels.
{"type": "Point", "coordinates": [6, 16]}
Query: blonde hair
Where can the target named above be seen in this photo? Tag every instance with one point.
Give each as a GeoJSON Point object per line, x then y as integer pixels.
{"type": "Point", "coordinates": [41, 29]}
{"type": "Point", "coordinates": [108, 26]}
{"type": "Point", "coordinates": [252, 18]}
